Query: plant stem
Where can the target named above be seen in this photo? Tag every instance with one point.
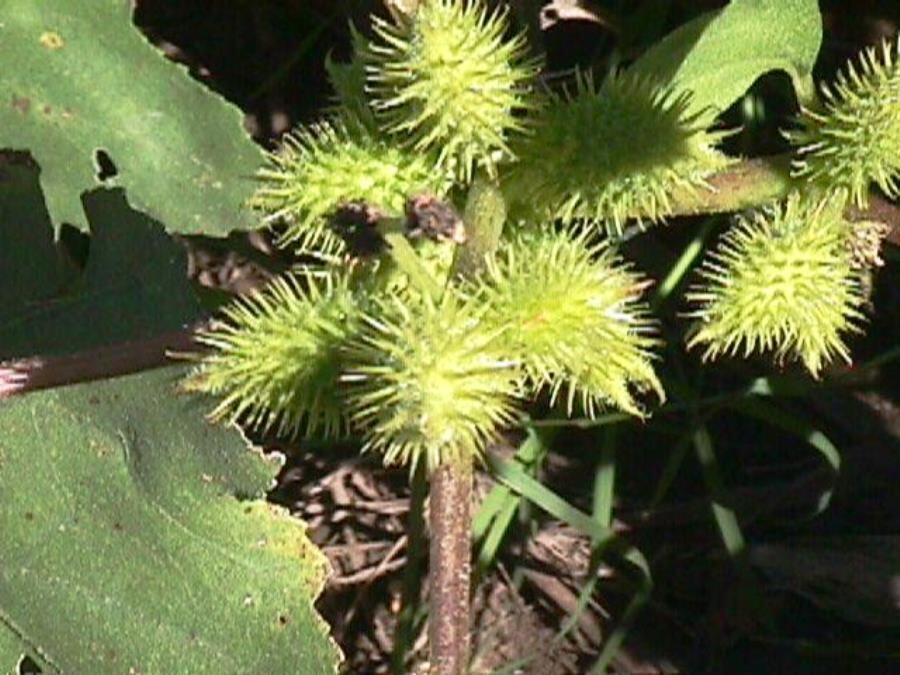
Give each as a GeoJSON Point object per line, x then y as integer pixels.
{"type": "Point", "coordinates": [743, 185]}
{"type": "Point", "coordinates": [19, 376]}
{"type": "Point", "coordinates": [756, 181]}
{"type": "Point", "coordinates": [450, 569]}
{"type": "Point", "coordinates": [450, 513]}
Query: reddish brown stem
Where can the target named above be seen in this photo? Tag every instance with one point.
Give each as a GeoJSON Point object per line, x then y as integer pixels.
{"type": "Point", "coordinates": [19, 376]}
{"type": "Point", "coordinates": [450, 519]}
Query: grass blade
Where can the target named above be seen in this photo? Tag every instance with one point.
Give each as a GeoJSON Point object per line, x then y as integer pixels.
{"type": "Point", "coordinates": [527, 486]}
{"type": "Point", "coordinates": [794, 424]}
{"type": "Point", "coordinates": [496, 512]}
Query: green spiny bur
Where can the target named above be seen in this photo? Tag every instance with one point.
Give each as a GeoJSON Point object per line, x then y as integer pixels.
{"type": "Point", "coordinates": [610, 154]}
{"type": "Point", "coordinates": [783, 282]}
{"type": "Point", "coordinates": [855, 140]}
{"type": "Point", "coordinates": [574, 318]}
{"type": "Point", "coordinates": [278, 356]}
{"type": "Point", "coordinates": [325, 164]}
{"type": "Point", "coordinates": [445, 79]}
{"type": "Point", "coordinates": [429, 381]}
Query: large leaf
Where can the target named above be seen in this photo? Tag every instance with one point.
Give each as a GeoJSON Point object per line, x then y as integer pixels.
{"type": "Point", "coordinates": [136, 539]}
{"type": "Point", "coordinates": [77, 77]}
{"type": "Point", "coordinates": [134, 284]}
{"type": "Point", "coordinates": [11, 651]}
{"type": "Point", "coordinates": [718, 55]}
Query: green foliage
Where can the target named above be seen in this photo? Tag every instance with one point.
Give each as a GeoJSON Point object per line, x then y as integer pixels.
{"type": "Point", "coordinates": [611, 153]}
{"type": "Point", "coordinates": [718, 55]}
{"type": "Point", "coordinates": [447, 81]}
{"type": "Point", "coordinates": [426, 358]}
{"type": "Point", "coordinates": [12, 650]}
{"type": "Point", "coordinates": [84, 80]}
{"type": "Point", "coordinates": [104, 484]}
{"type": "Point", "coordinates": [781, 282]}
{"type": "Point", "coordinates": [33, 269]}
{"type": "Point", "coordinates": [855, 140]}
{"type": "Point", "coordinates": [133, 285]}
{"type": "Point", "coordinates": [136, 538]}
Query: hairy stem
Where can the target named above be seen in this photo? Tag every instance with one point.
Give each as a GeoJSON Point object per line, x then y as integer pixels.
{"type": "Point", "coordinates": [740, 186]}
{"type": "Point", "coordinates": [756, 181]}
{"type": "Point", "coordinates": [450, 569]}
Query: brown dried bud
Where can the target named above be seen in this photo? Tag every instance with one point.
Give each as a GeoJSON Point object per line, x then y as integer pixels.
{"type": "Point", "coordinates": [356, 223]}
{"type": "Point", "coordinates": [428, 216]}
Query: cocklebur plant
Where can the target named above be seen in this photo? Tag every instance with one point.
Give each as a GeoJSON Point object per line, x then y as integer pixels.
{"type": "Point", "coordinates": [276, 358]}
{"type": "Point", "coordinates": [430, 380]}
{"type": "Point", "coordinates": [447, 81]}
{"type": "Point", "coordinates": [792, 280]}
{"type": "Point", "coordinates": [555, 299]}
{"type": "Point", "coordinates": [427, 356]}
{"type": "Point", "coordinates": [586, 335]}
{"type": "Point", "coordinates": [319, 166]}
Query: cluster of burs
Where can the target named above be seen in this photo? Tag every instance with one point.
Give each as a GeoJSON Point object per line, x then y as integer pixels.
{"type": "Point", "coordinates": [424, 333]}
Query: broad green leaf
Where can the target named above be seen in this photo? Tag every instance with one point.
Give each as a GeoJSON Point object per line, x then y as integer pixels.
{"type": "Point", "coordinates": [134, 284]}
{"type": "Point", "coordinates": [11, 651]}
{"type": "Point", "coordinates": [136, 539]}
{"type": "Point", "coordinates": [718, 55]}
{"type": "Point", "coordinates": [77, 77]}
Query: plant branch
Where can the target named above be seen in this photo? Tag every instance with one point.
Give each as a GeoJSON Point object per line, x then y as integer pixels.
{"type": "Point", "coordinates": [756, 181]}
{"type": "Point", "coordinates": [743, 185]}
{"type": "Point", "coordinates": [883, 211]}
{"type": "Point", "coordinates": [19, 376]}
